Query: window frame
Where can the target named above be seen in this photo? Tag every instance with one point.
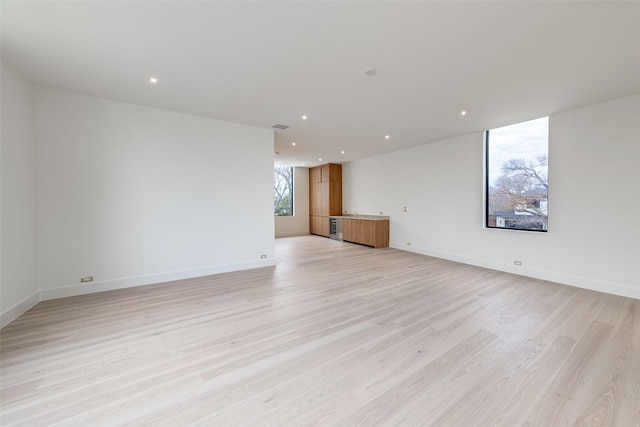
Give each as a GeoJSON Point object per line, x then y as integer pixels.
{"type": "Point", "coordinates": [292, 190]}
{"type": "Point", "coordinates": [487, 184]}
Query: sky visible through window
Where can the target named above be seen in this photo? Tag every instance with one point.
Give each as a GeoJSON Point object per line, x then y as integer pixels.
{"type": "Point", "coordinates": [524, 140]}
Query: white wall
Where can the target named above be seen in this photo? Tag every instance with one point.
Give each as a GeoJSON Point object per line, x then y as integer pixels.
{"type": "Point", "coordinates": [298, 224]}
{"type": "Point", "coordinates": [134, 195]}
{"type": "Point", "coordinates": [18, 278]}
{"type": "Point", "coordinates": [594, 200]}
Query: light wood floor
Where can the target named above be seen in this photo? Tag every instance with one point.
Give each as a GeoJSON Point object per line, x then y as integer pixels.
{"type": "Point", "coordinates": [336, 334]}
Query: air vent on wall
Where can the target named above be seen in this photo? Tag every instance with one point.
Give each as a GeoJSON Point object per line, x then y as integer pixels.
{"type": "Point", "coordinates": [280, 127]}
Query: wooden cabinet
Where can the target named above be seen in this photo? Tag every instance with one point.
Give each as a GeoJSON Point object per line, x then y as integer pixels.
{"type": "Point", "coordinates": [331, 172]}
{"type": "Point", "coordinates": [315, 175]}
{"type": "Point", "coordinates": [349, 230]}
{"type": "Point", "coordinates": [335, 198]}
{"type": "Point", "coordinates": [325, 196]}
{"type": "Point", "coordinates": [319, 225]}
{"type": "Point", "coordinates": [366, 232]}
{"type": "Point", "coordinates": [325, 173]}
{"type": "Point", "coordinates": [319, 199]}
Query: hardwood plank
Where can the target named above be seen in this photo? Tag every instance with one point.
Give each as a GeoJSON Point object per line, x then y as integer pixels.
{"type": "Point", "coordinates": [383, 406]}
{"type": "Point", "coordinates": [552, 406]}
{"type": "Point", "coordinates": [335, 334]}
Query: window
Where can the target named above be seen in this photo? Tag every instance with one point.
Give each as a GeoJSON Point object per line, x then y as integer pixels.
{"type": "Point", "coordinates": [282, 190]}
{"type": "Point", "coordinates": [516, 176]}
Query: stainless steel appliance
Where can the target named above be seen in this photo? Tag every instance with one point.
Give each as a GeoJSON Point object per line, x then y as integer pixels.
{"type": "Point", "coordinates": [335, 228]}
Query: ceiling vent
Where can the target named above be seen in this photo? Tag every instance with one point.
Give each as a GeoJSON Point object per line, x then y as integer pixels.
{"type": "Point", "coordinates": [280, 127]}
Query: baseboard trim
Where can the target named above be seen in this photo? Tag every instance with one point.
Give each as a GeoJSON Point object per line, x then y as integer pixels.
{"type": "Point", "coordinates": [293, 234]}
{"type": "Point", "coordinates": [130, 282]}
{"type": "Point", "coordinates": [565, 279]}
{"type": "Point", "coordinates": [18, 309]}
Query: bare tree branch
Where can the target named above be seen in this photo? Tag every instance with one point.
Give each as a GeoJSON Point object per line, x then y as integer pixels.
{"type": "Point", "coordinates": [522, 187]}
{"type": "Point", "coordinates": [283, 190]}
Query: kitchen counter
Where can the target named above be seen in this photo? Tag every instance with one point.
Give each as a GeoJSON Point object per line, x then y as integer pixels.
{"type": "Point", "coordinates": [370, 230]}
{"type": "Point", "coordinates": [365, 217]}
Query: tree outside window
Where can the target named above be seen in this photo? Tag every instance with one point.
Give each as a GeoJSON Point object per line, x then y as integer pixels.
{"type": "Point", "coordinates": [517, 176]}
{"type": "Point", "coordinates": [283, 190]}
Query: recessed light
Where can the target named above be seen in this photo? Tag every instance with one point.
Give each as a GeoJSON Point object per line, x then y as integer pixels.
{"type": "Point", "coordinates": [387, 137]}
{"type": "Point", "coordinates": [463, 113]}
{"type": "Point", "coordinates": [303, 164]}
{"type": "Point", "coordinates": [342, 152]}
{"type": "Point", "coordinates": [304, 117]}
{"type": "Point", "coordinates": [320, 159]}
{"type": "Point", "coordinates": [293, 143]}
{"type": "Point", "coordinates": [153, 80]}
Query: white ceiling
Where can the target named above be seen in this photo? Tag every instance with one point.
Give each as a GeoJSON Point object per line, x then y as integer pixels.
{"type": "Point", "coordinates": [261, 63]}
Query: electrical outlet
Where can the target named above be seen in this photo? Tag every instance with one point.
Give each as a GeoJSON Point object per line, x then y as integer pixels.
{"type": "Point", "coordinates": [263, 256]}
{"type": "Point", "coordinates": [405, 209]}
{"type": "Point", "coordinates": [86, 279]}
{"type": "Point", "coordinates": [517, 262]}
